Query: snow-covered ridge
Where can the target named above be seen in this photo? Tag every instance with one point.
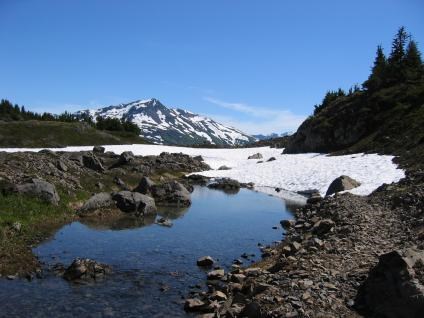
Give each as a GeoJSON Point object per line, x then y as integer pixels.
{"type": "Point", "coordinates": [290, 172]}
{"type": "Point", "coordinates": [160, 124]}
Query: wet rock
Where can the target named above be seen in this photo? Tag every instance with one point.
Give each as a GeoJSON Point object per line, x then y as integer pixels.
{"type": "Point", "coordinates": [287, 224]}
{"type": "Point", "coordinates": [99, 149]}
{"type": "Point", "coordinates": [144, 186]}
{"type": "Point", "coordinates": [224, 168]}
{"type": "Point", "coordinates": [90, 161]}
{"type": "Point", "coordinates": [100, 200]}
{"type": "Point", "coordinates": [322, 227]}
{"type": "Point", "coordinates": [164, 222]}
{"type": "Point", "coordinates": [216, 274]}
{"type": "Point", "coordinates": [171, 193]}
{"type": "Point", "coordinates": [256, 156]}
{"type": "Point", "coordinates": [205, 261]}
{"type": "Point", "coordinates": [394, 288]}
{"type": "Point", "coordinates": [86, 269]}
{"type": "Point", "coordinates": [194, 304]}
{"type": "Point", "coordinates": [134, 202]}
{"type": "Point", "coordinates": [342, 183]}
{"type": "Point", "coordinates": [40, 189]}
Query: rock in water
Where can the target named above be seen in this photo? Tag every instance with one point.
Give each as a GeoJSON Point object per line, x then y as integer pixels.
{"type": "Point", "coordinates": [205, 261]}
{"type": "Point", "coordinates": [394, 288]}
{"type": "Point", "coordinates": [98, 201]}
{"type": "Point", "coordinates": [193, 304]}
{"type": "Point", "coordinates": [134, 202]}
{"type": "Point", "coordinates": [40, 189]}
{"type": "Point", "coordinates": [86, 269]}
{"type": "Point", "coordinates": [171, 193]}
{"type": "Point", "coordinates": [342, 183]}
{"type": "Point", "coordinates": [255, 156]}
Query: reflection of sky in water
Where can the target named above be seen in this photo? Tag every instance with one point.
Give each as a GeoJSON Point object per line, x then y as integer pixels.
{"type": "Point", "coordinates": [146, 258]}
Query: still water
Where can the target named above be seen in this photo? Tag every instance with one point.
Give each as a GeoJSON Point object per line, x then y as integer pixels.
{"type": "Point", "coordinates": [154, 267]}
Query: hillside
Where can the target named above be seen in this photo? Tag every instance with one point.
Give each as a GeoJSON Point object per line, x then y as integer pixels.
{"type": "Point", "coordinates": [34, 133]}
{"type": "Point", "coordinates": [163, 125]}
{"type": "Point", "coordinates": [386, 115]}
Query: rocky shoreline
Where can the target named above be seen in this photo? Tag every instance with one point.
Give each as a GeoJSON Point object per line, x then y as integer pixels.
{"type": "Point", "coordinates": [343, 256]}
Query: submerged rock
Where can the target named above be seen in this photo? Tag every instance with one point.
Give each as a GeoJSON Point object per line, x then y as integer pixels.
{"type": "Point", "coordinates": [342, 183]}
{"type": "Point", "coordinates": [40, 189]}
{"type": "Point", "coordinates": [86, 269]}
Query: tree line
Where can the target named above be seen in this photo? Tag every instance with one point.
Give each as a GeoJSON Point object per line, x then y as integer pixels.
{"type": "Point", "coordinates": [10, 112]}
{"type": "Point", "coordinates": [403, 66]}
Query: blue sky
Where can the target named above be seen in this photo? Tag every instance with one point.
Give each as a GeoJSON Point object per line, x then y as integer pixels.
{"type": "Point", "coordinates": [258, 65]}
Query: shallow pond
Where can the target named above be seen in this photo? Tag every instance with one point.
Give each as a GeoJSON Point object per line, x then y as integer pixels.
{"type": "Point", "coordinates": [154, 267]}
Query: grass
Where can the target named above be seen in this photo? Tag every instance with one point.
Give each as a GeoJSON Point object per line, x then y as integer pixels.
{"type": "Point", "coordinates": [35, 133]}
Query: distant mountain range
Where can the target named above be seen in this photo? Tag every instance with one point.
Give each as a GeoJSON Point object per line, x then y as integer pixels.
{"type": "Point", "coordinates": [271, 136]}
{"type": "Point", "coordinates": [163, 125]}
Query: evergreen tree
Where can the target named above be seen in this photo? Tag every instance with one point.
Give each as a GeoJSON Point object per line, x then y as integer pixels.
{"type": "Point", "coordinates": [378, 72]}
{"type": "Point", "coordinates": [414, 69]}
{"type": "Point", "coordinates": [397, 57]}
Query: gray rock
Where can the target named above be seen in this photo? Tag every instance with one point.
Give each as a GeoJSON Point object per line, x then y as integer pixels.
{"type": "Point", "coordinates": [224, 168]}
{"type": "Point", "coordinates": [86, 269]}
{"type": "Point", "coordinates": [126, 157]}
{"type": "Point", "coordinates": [394, 287]}
{"type": "Point", "coordinates": [315, 198]}
{"type": "Point", "coordinates": [134, 202]}
{"type": "Point", "coordinates": [171, 193]}
{"type": "Point", "coordinates": [271, 159]}
{"type": "Point", "coordinates": [61, 165]}
{"type": "Point", "coordinates": [144, 186]}
{"type": "Point", "coordinates": [193, 304]}
{"type": "Point", "coordinates": [256, 156]}
{"type": "Point", "coordinates": [225, 184]}
{"type": "Point", "coordinates": [164, 222]}
{"type": "Point", "coordinates": [76, 157]}
{"type": "Point", "coordinates": [40, 189]}
{"type": "Point", "coordinates": [322, 227]}
{"type": "Point", "coordinates": [98, 201]}
{"type": "Point", "coordinates": [90, 161]}
{"type": "Point", "coordinates": [205, 261]}
{"type": "Point", "coordinates": [216, 274]}
{"type": "Point", "coordinates": [342, 183]}
{"type": "Point", "coordinates": [99, 149]}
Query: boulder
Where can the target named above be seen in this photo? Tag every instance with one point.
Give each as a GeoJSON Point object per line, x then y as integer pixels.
{"type": "Point", "coordinates": [224, 168]}
{"type": "Point", "coordinates": [40, 189]}
{"type": "Point", "coordinates": [394, 287]}
{"type": "Point", "coordinates": [194, 304]}
{"type": "Point", "coordinates": [322, 227]}
{"type": "Point", "coordinates": [98, 201]}
{"type": "Point", "coordinates": [315, 198]}
{"type": "Point", "coordinates": [342, 183]}
{"type": "Point", "coordinates": [205, 261]}
{"type": "Point", "coordinates": [134, 202]}
{"type": "Point", "coordinates": [271, 159]}
{"type": "Point", "coordinates": [197, 179]}
{"type": "Point", "coordinates": [171, 193]}
{"type": "Point", "coordinates": [216, 274]}
{"type": "Point", "coordinates": [144, 186]}
{"type": "Point", "coordinates": [126, 157]}
{"type": "Point", "coordinates": [255, 156]}
{"type": "Point", "coordinates": [60, 164]}
{"type": "Point", "coordinates": [99, 149]}
{"type": "Point", "coordinates": [225, 184]}
{"type": "Point", "coordinates": [90, 161]}
{"type": "Point", "coordinates": [86, 269]}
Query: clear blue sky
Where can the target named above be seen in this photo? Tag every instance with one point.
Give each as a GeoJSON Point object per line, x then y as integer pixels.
{"type": "Point", "coordinates": [259, 65]}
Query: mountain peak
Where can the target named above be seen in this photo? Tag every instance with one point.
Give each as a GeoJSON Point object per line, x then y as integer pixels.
{"type": "Point", "coordinates": [164, 125]}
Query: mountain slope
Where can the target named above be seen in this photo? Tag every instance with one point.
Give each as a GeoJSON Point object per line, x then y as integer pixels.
{"type": "Point", "coordinates": [163, 125]}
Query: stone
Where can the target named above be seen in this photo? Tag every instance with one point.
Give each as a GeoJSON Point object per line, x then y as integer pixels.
{"type": "Point", "coordinates": [271, 159]}
{"type": "Point", "coordinates": [205, 261]}
{"type": "Point", "coordinates": [61, 165]}
{"type": "Point", "coordinates": [225, 184]}
{"type": "Point", "coordinates": [287, 224]}
{"type": "Point", "coordinates": [322, 227]}
{"type": "Point", "coordinates": [90, 161]}
{"type": "Point", "coordinates": [17, 226]}
{"type": "Point", "coordinates": [216, 274]}
{"type": "Point", "coordinates": [224, 168]}
{"type": "Point", "coordinates": [126, 157]}
{"type": "Point", "coordinates": [99, 149]}
{"type": "Point", "coordinates": [342, 183]}
{"type": "Point", "coordinates": [86, 269]}
{"type": "Point", "coordinates": [394, 287]}
{"type": "Point", "coordinates": [164, 222]}
{"type": "Point", "coordinates": [238, 278]}
{"type": "Point", "coordinates": [134, 202]}
{"type": "Point", "coordinates": [218, 295]}
{"type": "Point", "coordinates": [193, 304]}
{"type": "Point", "coordinates": [100, 200]}
{"type": "Point", "coordinates": [255, 156]}
{"type": "Point", "coordinates": [41, 189]}
{"type": "Point", "coordinates": [252, 310]}
{"type": "Point", "coordinates": [315, 198]}
{"type": "Point", "coordinates": [171, 193]}
{"type": "Point", "coordinates": [144, 186]}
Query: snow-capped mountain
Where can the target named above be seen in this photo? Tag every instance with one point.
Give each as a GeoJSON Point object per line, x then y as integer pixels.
{"type": "Point", "coordinates": [163, 125]}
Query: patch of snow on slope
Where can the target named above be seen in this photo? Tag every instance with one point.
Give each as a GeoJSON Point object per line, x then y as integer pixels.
{"type": "Point", "coordinates": [290, 172]}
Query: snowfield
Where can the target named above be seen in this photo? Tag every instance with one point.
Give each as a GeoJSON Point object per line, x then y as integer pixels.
{"type": "Point", "coordinates": [289, 172]}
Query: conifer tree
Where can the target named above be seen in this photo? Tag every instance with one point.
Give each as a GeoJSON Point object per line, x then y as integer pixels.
{"type": "Point", "coordinates": [397, 57]}
{"type": "Point", "coordinates": [378, 72]}
{"type": "Point", "coordinates": [414, 69]}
